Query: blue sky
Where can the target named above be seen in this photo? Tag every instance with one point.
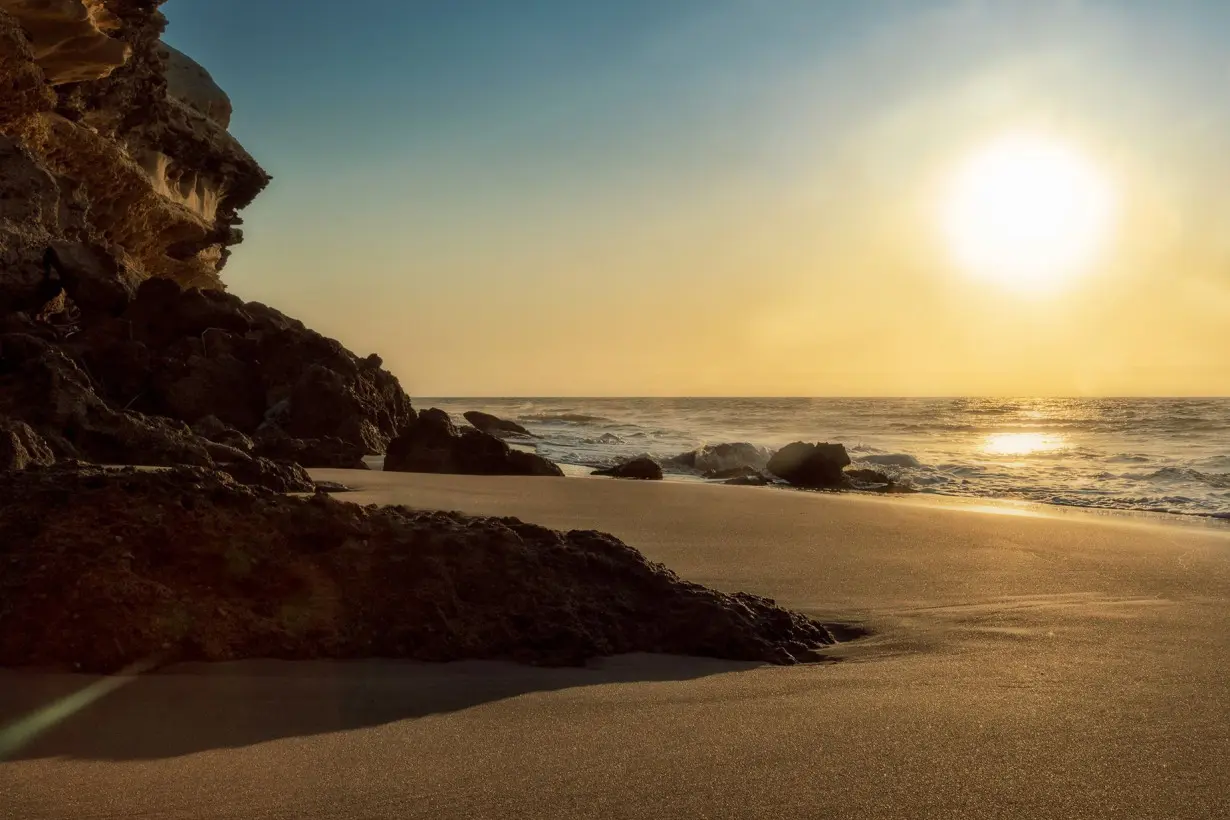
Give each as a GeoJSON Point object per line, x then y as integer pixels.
{"type": "Point", "coordinates": [659, 182]}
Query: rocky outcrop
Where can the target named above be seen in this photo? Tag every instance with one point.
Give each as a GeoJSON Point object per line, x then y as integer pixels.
{"type": "Point", "coordinates": [69, 39]}
{"type": "Point", "coordinates": [43, 387]}
{"type": "Point", "coordinates": [713, 458]}
{"type": "Point", "coordinates": [192, 85]}
{"type": "Point", "coordinates": [207, 353]}
{"type": "Point", "coordinates": [431, 444]}
{"type": "Point", "coordinates": [21, 447]}
{"type": "Point", "coordinates": [61, 415]}
{"type": "Point", "coordinates": [644, 469]}
{"type": "Point", "coordinates": [815, 466]}
{"type": "Point", "coordinates": [133, 177]}
{"type": "Point", "coordinates": [119, 188]}
{"type": "Point", "coordinates": [258, 575]}
{"type": "Point", "coordinates": [495, 426]}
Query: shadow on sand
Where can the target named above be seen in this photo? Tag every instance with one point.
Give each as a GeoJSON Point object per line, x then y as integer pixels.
{"type": "Point", "coordinates": [192, 708]}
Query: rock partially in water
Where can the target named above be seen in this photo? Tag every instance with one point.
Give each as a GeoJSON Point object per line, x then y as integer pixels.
{"type": "Point", "coordinates": [815, 466]}
{"type": "Point", "coordinates": [718, 457]}
{"type": "Point", "coordinates": [644, 469]}
{"type": "Point", "coordinates": [186, 564]}
{"type": "Point", "coordinates": [431, 444]}
{"type": "Point", "coordinates": [496, 426]}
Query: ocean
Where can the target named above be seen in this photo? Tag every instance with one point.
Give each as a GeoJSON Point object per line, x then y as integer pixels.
{"type": "Point", "coordinates": [1157, 455]}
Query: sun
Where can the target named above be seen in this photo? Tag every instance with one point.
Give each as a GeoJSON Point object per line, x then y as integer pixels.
{"type": "Point", "coordinates": [1028, 212]}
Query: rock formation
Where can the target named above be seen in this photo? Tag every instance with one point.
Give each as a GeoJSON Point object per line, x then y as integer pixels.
{"type": "Point", "coordinates": [119, 196]}
{"type": "Point", "coordinates": [496, 426]}
{"type": "Point", "coordinates": [645, 469]}
{"type": "Point", "coordinates": [431, 444]}
{"type": "Point", "coordinates": [186, 564]}
{"type": "Point", "coordinates": [816, 466]}
{"type": "Point", "coordinates": [125, 176]}
{"type": "Point", "coordinates": [713, 458]}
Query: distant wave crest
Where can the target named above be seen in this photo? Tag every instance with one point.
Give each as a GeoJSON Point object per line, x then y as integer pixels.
{"type": "Point", "coordinates": [891, 460]}
{"type": "Point", "coordinates": [571, 418]}
{"type": "Point", "coordinates": [1172, 474]}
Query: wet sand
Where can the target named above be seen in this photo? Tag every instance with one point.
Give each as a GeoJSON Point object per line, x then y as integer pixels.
{"type": "Point", "coordinates": [1024, 664]}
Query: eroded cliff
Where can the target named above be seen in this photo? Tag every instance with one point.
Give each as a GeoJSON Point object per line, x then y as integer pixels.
{"type": "Point", "coordinates": [120, 189]}
{"type": "Point", "coordinates": [114, 148]}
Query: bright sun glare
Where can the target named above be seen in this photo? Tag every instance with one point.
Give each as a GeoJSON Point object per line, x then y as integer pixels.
{"type": "Point", "coordinates": [1028, 212]}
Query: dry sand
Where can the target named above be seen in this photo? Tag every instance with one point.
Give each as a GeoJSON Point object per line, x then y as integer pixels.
{"type": "Point", "coordinates": [1027, 665]}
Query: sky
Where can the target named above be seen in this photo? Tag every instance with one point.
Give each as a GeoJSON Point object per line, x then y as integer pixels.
{"type": "Point", "coordinates": [725, 197]}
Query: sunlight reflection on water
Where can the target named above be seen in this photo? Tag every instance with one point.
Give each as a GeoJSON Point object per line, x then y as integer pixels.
{"type": "Point", "coordinates": [1021, 444]}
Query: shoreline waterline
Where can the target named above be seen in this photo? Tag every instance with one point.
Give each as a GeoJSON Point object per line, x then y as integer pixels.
{"type": "Point", "coordinates": [1168, 456]}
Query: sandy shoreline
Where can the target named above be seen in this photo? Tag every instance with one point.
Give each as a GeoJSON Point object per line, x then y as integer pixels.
{"type": "Point", "coordinates": [1024, 665]}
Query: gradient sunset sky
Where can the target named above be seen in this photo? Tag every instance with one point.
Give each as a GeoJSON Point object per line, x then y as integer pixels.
{"type": "Point", "coordinates": [724, 197]}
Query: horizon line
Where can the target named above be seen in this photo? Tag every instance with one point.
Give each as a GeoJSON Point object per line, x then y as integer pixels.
{"type": "Point", "coordinates": [1004, 396]}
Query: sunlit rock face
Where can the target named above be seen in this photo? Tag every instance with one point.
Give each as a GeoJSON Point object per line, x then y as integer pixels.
{"type": "Point", "coordinates": [191, 84]}
{"type": "Point", "coordinates": [113, 150]}
{"type": "Point", "coordinates": [70, 39]}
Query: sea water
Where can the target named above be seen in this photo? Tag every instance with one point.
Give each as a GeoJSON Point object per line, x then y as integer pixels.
{"type": "Point", "coordinates": [1160, 455]}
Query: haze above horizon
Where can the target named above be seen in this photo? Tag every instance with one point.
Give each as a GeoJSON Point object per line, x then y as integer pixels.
{"type": "Point", "coordinates": [741, 197]}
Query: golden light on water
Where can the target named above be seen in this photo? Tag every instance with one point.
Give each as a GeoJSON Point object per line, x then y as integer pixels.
{"type": "Point", "coordinates": [1028, 212]}
{"type": "Point", "coordinates": [1021, 444]}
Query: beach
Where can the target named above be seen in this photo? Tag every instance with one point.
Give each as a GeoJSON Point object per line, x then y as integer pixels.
{"type": "Point", "coordinates": [1022, 663]}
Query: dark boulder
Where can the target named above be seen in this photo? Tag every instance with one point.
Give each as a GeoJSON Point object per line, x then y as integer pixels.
{"type": "Point", "coordinates": [645, 469]}
{"type": "Point", "coordinates": [495, 426]}
{"type": "Point", "coordinates": [431, 444]}
{"type": "Point", "coordinates": [817, 466]}
{"type": "Point", "coordinates": [21, 447]}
